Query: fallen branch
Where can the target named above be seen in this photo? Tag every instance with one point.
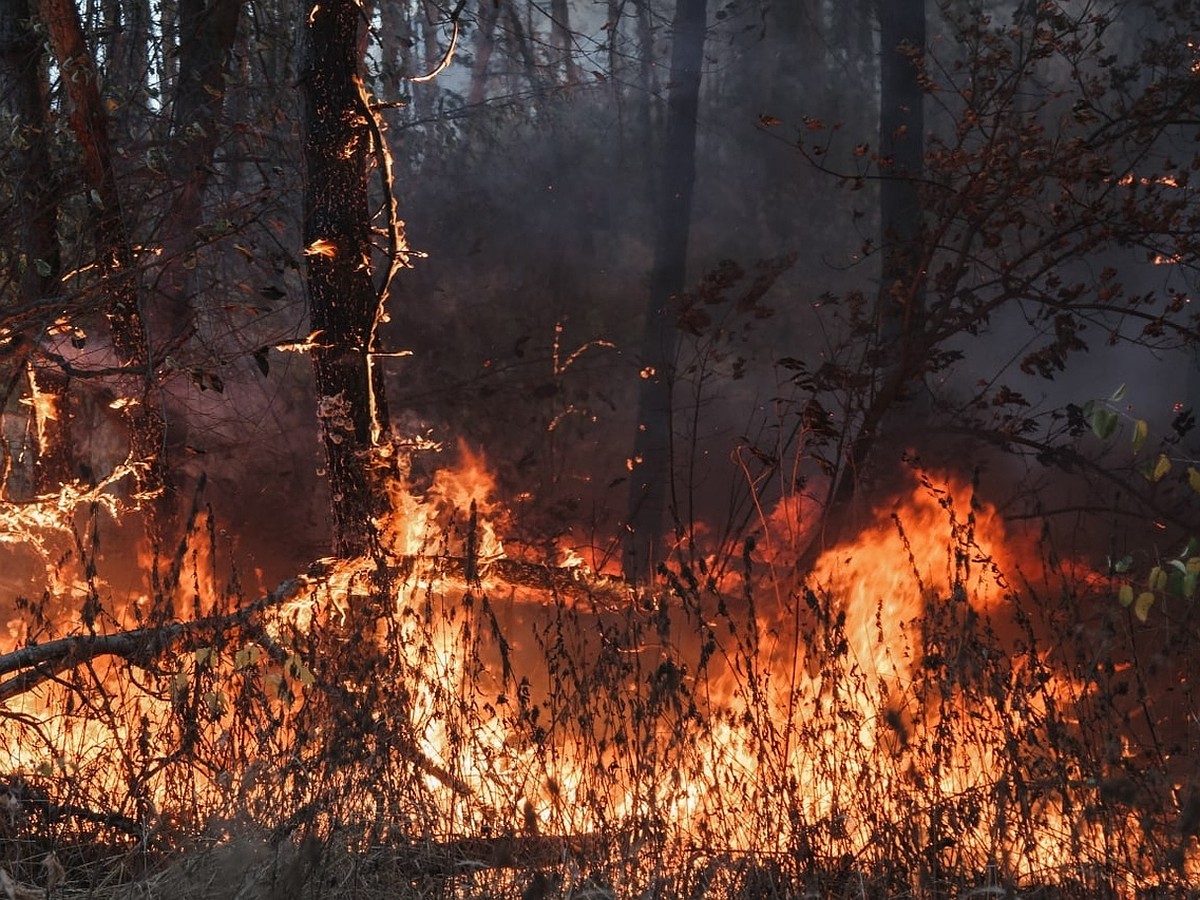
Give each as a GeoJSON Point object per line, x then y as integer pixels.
{"type": "Point", "coordinates": [574, 584]}
{"type": "Point", "coordinates": [39, 663]}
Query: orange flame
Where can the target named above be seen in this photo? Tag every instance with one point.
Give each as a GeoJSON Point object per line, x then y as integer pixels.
{"type": "Point", "coordinates": [894, 700]}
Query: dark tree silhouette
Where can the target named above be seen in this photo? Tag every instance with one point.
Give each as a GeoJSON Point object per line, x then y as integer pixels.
{"type": "Point", "coordinates": [649, 498]}
{"type": "Point", "coordinates": [343, 302]}
{"type": "Point", "coordinates": [24, 87]}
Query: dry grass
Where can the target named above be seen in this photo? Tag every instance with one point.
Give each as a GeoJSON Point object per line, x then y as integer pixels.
{"type": "Point", "coordinates": [430, 729]}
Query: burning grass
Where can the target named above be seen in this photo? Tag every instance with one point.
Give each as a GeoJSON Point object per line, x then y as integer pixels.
{"type": "Point", "coordinates": [938, 709]}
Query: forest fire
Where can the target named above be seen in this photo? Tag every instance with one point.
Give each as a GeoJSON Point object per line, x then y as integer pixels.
{"type": "Point", "coordinates": [715, 612]}
{"type": "Point", "coordinates": [896, 702]}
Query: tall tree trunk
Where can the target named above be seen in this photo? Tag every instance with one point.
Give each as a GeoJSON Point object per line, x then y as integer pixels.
{"type": "Point", "coordinates": [901, 145]}
{"type": "Point", "coordinates": [89, 124]}
{"type": "Point", "coordinates": [25, 97]}
{"type": "Point", "coordinates": [560, 40]}
{"type": "Point", "coordinates": [207, 32]}
{"type": "Point", "coordinates": [127, 70]}
{"type": "Point", "coordinates": [396, 41]}
{"type": "Point", "coordinates": [900, 303]}
{"type": "Point", "coordinates": [651, 473]}
{"type": "Point", "coordinates": [518, 35]}
{"type": "Point", "coordinates": [24, 90]}
{"type": "Point", "coordinates": [643, 118]}
{"type": "Point", "coordinates": [485, 42]}
{"type": "Point", "coordinates": [337, 234]}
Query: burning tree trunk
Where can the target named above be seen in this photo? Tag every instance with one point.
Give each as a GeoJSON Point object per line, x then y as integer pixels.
{"type": "Point", "coordinates": [651, 473]}
{"type": "Point", "coordinates": [338, 129]}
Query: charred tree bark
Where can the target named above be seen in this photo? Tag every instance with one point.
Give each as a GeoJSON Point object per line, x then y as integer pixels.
{"type": "Point", "coordinates": [343, 303]}
{"type": "Point", "coordinates": [651, 475]}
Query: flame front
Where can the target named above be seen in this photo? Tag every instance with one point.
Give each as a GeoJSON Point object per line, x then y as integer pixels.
{"type": "Point", "coordinates": [898, 704]}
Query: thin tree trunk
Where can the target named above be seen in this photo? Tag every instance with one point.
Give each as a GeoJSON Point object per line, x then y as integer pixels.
{"type": "Point", "coordinates": [900, 303]}
{"type": "Point", "coordinates": [25, 97]}
{"type": "Point", "coordinates": [901, 145]}
{"type": "Point", "coordinates": [651, 473]}
{"type": "Point", "coordinates": [207, 32]}
{"type": "Point", "coordinates": [337, 237]}
{"type": "Point", "coordinates": [520, 40]}
{"type": "Point", "coordinates": [485, 42]}
{"type": "Point", "coordinates": [127, 69]}
{"type": "Point", "coordinates": [560, 39]}
{"type": "Point", "coordinates": [168, 24]}
{"type": "Point", "coordinates": [396, 39]}
{"type": "Point", "coordinates": [643, 120]}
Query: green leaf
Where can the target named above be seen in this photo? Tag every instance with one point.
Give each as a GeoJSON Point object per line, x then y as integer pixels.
{"type": "Point", "coordinates": [1141, 606]}
{"type": "Point", "coordinates": [1194, 479]}
{"type": "Point", "coordinates": [1140, 430]}
{"type": "Point", "coordinates": [1104, 422]}
{"type": "Point", "coordinates": [1123, 565]}
{"type": "Point", "coordinates": [1125, 595]}
{"type": "Point", "coordinates": [43, 268]}
{"type": "Point", "coordinates": [1189, 585]}
{"type": "Point", "coordinates": [1118, 395]}
{"type": "Point", "coordinates": [1158, 579]}
{"type": "Point", "coordinates": [1161, 468]}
